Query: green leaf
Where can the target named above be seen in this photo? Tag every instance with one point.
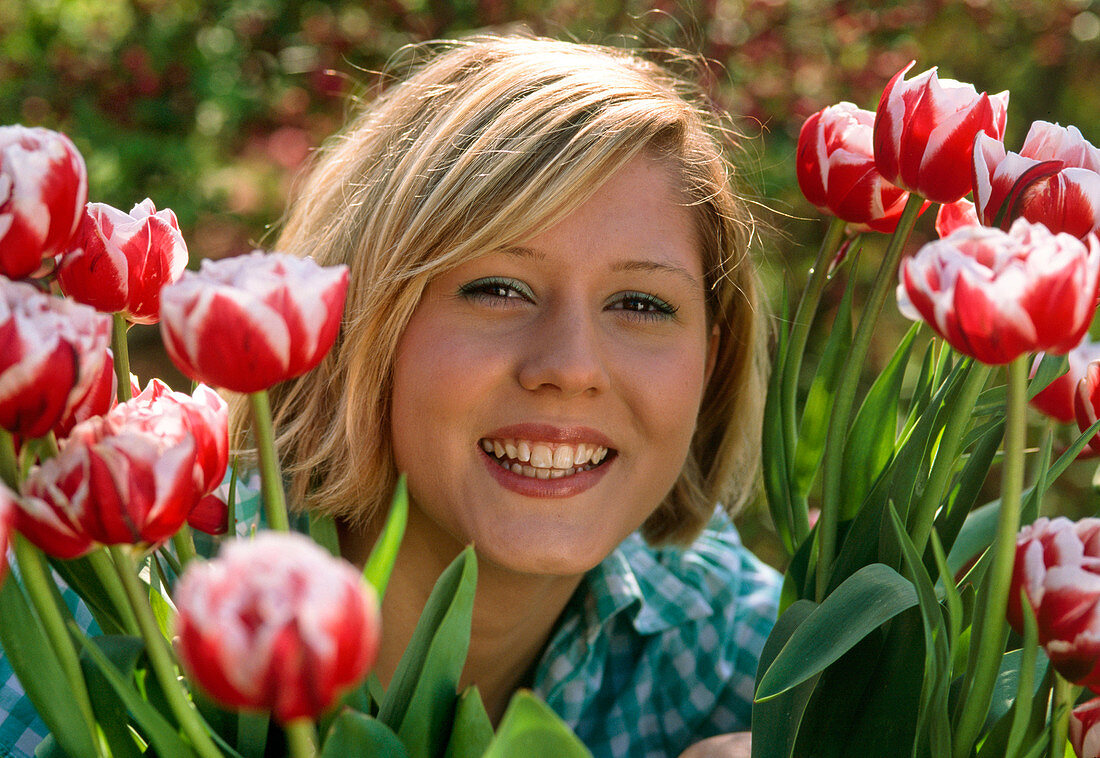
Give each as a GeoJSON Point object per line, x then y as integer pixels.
{"type": "Point", "coordinates": [322, 529]}
{"type": "Point", "coordinates": [355, 733]}
{"type": "Point", "coordinates": [32, 659]}
{"type": "Point", "coordinates": [775, 723]}
{"type": "Point", "coordinates": [110, 710]}
{"type": "Point", "coordinates": [815, 413]}
{"type": "Point", "coordinates": [873, 434]}
{"type": "Point", "coordinates": [529, 727]}
{"type": "Point", "coordinates": [473, 731]}
{"type": "Point", "coordinates": [160, 734]}
{"type": "Point", "coordinates": [252, 731]}
{"type": "Point", "coordinates": [81, 577]}
{"type": "Point", "coordinates": [1050, 368]}
{"type": "Point", "coordinates": [379, 564]}
{"type": "Point", "coordinates": [419, 704]}
{"type": "Point", "coordinates": [862, 603]}
{"type": "Point", "coordinates": [775, 458]}
{"type": "Point", "coordinates": [968, 483]}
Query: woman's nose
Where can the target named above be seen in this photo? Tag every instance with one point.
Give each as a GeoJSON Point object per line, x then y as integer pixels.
{"type": "Point", "coordinates": [562, 353]}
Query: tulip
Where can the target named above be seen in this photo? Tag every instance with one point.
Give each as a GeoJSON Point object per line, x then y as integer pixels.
{"type": "Point", "coordinates": [100, 397]}
{"type": "Point", "coordinates": [1087, 399]}
{"type": "Point", "coordinates": [128, 477]}
{"type": "Point", "coordinates": [996, 295]}
{"type": "Point", "coordinates": [118, 262]}
{"type": "Point", "coordinates": [276, 623]}
{"type": "Point", "coordinates": [1053, 180]}
{"type": "Point", "coordinates": [43, 188]}
{"type": "Point", "coordinates": [1058, 568]}
{"type": "Point", "coordinates": [836, 169]}
{"type": "Point", "coordinates": [952, 216]}
{"type": "Point", "coordinates": [1058, 399]}
{"type": "Point", "coordinates": [250, 322]}
{"type": "Point", "coordinates": [1083, 732]}
{"type": "Point", "coordinates": [925, 129]}
{"type": "Point", "coordinates": [52, 356]}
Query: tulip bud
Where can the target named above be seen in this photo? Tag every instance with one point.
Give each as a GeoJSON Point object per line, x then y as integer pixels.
{"type": "Point", "coordinates": [43, 188]}
{"type": "Point", "coordinates": [53, 356]}
{"type": "Point", "coordinates": [1058, 567]}
{"type": "Point", "coordinates": [276, 623]}
{"type": "Point", "coordinates": [996, 295]}
{"type": "Point", "coordinates": [250, 322]}
{"type": "Point", "coordinates": [128, 477]}
{"type": "Point", "coordinates": [118, 262]}
{"type": "Point", "coordinates": [1053, 180]}
{"type": "Point", "coordinates": [836, 169]}
{"type": "Point", "coordinates": [925, 129]}
{"type": "Point", "coordinates": [1084, 733]}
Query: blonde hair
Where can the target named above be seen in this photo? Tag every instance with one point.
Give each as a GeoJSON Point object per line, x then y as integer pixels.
{"type": "Point", "coordinates": [485, 144]}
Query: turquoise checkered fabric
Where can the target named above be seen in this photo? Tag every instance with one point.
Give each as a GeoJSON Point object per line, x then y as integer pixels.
{"type": "Point", "coordinates": [658, 648]}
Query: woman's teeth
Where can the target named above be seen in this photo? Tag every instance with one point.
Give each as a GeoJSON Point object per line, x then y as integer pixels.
{"type": "Point", "coordinates": [541, 460]}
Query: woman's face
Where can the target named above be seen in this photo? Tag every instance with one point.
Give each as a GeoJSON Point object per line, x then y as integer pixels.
{"type": "Point", "coordinates": [545, 395]}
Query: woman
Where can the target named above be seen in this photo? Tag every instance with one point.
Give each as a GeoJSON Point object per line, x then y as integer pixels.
{"type": "Point", "coordinates": [552, 329]}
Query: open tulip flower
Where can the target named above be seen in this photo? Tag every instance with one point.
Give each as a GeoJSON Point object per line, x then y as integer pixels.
{"type": "Point", "coordinates": [276, 623]}
{"type": "Point", "coordinates": [250, 322]}
{"type": "Point", "coordinates": [925, 129]}
{"type": "Point", "coordinates": [128, 477]}
{"type": "Point", "coordinates": [1084, 729]}
{"type": "Point", "coordinates": [52, 354]}
{"type": "Point", "coordinates": [1053, 180]}
{"type": "Point", "coordinates": [118, 262]}
{"type": "Point", "coordinates": [997, 295]}
{"type": "Point", "coordinates": [836, 169]}
{"type": "Point", "coordinates": [1058, 567]}
{"type": "Point", "coordinates": [43, 188]}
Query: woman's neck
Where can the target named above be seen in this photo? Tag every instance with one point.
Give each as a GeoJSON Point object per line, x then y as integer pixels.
{"type": "Point", "coordinates": [514, 614]}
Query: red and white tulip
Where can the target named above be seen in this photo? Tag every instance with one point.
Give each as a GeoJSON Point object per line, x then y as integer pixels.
{"type": "Point", "coordinates": [1084, 729]}
{"type": "Point", "coordinates": [276, 623]}
{"type": "Point", "coordinates": [250, 322]}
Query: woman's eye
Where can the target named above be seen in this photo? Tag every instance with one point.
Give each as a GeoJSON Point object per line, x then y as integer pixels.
{"type": "Point", "coordinates": [495, 290]}
{"type": "Point", "coordinates": [643, 305]}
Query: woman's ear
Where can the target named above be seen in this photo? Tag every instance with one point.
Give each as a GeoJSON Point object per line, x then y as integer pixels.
{"type": "Point", "coordinates": [712, 354]}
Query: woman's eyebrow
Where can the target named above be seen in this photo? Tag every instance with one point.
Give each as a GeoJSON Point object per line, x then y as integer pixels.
{"type": "Point", "coordinates": [650, 266]}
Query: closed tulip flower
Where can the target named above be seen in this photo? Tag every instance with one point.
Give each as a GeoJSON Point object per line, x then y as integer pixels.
{"type": "Point", "coordinates": [1084, 729]}
{"type": "Point", "coordinates": [836, 169]}
{"type": "Point", "coordinates": [118, 262]}
{"type": "Point", "coordinates": [1087, 400]}
{"type": "Point", "coordinates": [100, 396]}
{"type": "Point", "coordinates": [1058, 568]}
{"type": "Point", "coordinates": [125, 478]}
{"type": "Point", "coordinates": [1053, 180]}
{"type": "Point", "coordinates": [996, 295]}
{"type": "Point", "coordinates": [1058, 399]}
{"type": "Point", "coordinates": [43, 188]}
{"type": "Point", "coordinates": [250, 322]}
{"type": "Point", "coordinates": [53, 355]}
{"type": "Point", "coordinates": [278, 624]}
{"type": "Point", "coordinates": [925, 129]}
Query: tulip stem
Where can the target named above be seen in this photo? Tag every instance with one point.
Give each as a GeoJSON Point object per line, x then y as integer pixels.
{"type": "Point", "coordinates": [844, 398]}
{"type": "Point", "coordinates": [36, 580]}
{"type": "Point", "coordinates": [9, 465]}
{"type": "Point", "coordinates": [792, 360]}
{"type": "Point", "coordinates": [987, 646]}
{"type": "Point", "coordinates": [159, 656]}
{"type": "Point", "coordinates": [121, 350]}
{"type": "Point", "coordinates": [1065, 692]}
{"type": "Point", "coordinates": [301, 738]}
{"type": "Point", "coordinates": [184, 544]}
{"type": "Point", "coordinates": [271, 481]}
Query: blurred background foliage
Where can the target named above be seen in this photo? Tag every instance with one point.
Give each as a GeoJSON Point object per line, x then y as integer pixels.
{"type": "Point", "coordinates": [212, 108]}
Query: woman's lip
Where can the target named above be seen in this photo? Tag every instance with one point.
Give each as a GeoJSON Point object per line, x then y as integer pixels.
{"type": "Point", "coordinates": [565, 486]}
{"type": "Point", "coordinates": [550, 433]}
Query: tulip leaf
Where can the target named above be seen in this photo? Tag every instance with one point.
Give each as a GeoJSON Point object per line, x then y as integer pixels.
{"type": "Point", "coordinates": [775, 723]}
{"type": "Point", "coordinates": [27, 650]}
{"type": "Point", "coordinates": [1050, 368]}
{"type": "Point", "coordinates": [355, 733]}
{"type": "Point", "coordinates": [420, 701]}
{"type": "Point", "coordinates": [110, 711]}
{"type": "Point", "coordinates": [252, 731]}
{"type": "Point", "coordinates": [775, 458]}
{"type": "Point", "coordinates": [529, 727]}
{"type": "Point", "coordinates": [863, 602]}
{"type": "Point", "coordinates": [967, 486]}
{"type": "Point", "coordinates": [322, 529]}
{"type": "Point", "coordinates": [873, 433]}
{"type": "Point", "coordinates": [379, 564]}
{"type": "Point", "coordinates": [81, 577]}
{"type": "Point", "coordinates": [473, 731]}
{"type": "Point", "coordinates": [157, 730]}
{"type": "Point", "coordinates": [815, 413]}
